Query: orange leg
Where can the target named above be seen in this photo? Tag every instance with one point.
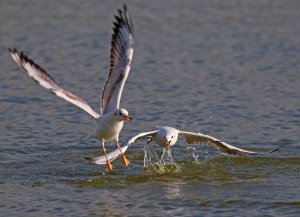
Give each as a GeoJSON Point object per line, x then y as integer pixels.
{"type": "Point", "coordinates": [108, 165]}
{"type": "Point", "coordinates": [125, 160]}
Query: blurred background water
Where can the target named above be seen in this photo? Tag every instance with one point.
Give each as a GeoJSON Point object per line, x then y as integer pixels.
{"type": "Point", "coordinates": [229, 69]}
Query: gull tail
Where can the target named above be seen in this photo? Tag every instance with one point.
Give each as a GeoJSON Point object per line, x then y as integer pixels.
{"type": "Point", "coordinates": [111, 156]}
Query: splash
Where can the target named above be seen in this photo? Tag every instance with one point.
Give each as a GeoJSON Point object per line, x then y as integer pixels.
{"type": "Point", "coordinates": [200, 156]}
{"type": "Point", "coordinates": [150, 156]}
{"type": "Point", "coordinates": [165, 164]}
{"type": "Point", "coordinates": [166, 157]}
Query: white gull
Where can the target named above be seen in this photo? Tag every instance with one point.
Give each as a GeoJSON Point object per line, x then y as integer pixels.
{"type": "Point", "coordinates": [110, 118]}
{"type": "Point", "coordinates": [166, 137]}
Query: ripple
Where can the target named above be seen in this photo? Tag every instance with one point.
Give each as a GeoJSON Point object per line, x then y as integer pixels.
{"type": "Point", "coordinates": [233, 74]}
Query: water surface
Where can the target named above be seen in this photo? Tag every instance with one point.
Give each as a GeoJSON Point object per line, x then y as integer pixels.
{"type": "Point", "coordinates": [227, 69]}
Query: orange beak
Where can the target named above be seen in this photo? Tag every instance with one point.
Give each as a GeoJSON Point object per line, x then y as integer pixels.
{"type": "Point", "coordinates": [127, 118]}
{"type": "Point", "coordinates": [167, 144]}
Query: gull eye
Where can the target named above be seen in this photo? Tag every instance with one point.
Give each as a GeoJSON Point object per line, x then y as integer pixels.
{"type": "Point", "coordinates": [172, 137]}
{"type": "Point", "coordinates": [120, 113]}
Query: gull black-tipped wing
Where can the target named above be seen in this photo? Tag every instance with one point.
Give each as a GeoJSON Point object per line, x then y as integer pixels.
{"type": "Point", "coordinates": [38, 74]}
{"type": "Point", "coordinates": [120, 61]}
{"type": "Point", "coordinates": [198, 138]}
{"type": "Point", "coordinates": [111, 156]}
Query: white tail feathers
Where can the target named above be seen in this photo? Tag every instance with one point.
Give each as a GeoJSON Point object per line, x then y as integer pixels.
{"type": "Point", "coordinates": [111, 156]}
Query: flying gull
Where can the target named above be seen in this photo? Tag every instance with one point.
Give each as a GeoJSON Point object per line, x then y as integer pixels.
{"type": "Point", "coordinates": [110, 118]}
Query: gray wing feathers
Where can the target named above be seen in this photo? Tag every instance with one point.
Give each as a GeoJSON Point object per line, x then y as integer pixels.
{"type": "Point", "coordinates": [120, 61]}
{"type": "Point", "coordinates": [198, 138]}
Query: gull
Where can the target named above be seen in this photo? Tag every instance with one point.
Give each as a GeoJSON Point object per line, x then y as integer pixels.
{"type": "Point", "coordinates": [111, 117]}
{"type": "Point", "coordinates": [166, 137]}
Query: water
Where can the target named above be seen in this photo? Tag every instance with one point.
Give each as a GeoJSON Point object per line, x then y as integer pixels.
{"type": "Point", "coordinates": [227, 69]}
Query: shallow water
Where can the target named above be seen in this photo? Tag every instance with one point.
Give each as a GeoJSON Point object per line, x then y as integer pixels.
{"type": "Point", "coordinates": [227, 69]}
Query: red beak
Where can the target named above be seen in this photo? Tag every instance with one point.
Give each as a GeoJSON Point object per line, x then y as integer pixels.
{"type": "Point", "coordinates": [127, 118]}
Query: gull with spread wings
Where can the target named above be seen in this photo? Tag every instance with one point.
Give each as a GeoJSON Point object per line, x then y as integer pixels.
{"type": "Point", "coordinates": [166, 137]}
{"type": "Point", "coordinates": [111, 117]}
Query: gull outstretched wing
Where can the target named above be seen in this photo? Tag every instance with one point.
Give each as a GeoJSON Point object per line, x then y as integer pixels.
{"type": "Point", "coordinates": [38, 74]}
{"type": "Point", "coordinates": [198, 138]}
{"type": "Point", "coordinates": [120, 61]}
{"type": "Point", "coordinates": [111, 156]}
{"type": "Point", "coordinates": [140, 136]}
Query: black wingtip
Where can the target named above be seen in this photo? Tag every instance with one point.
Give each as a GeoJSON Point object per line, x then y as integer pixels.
{"type": "Point", "coordinates": [266, 153]}
{"type": "Point", "coordinates": [14, 50]}
{"type": "Point", "coordinates": [87, 158]}
{"type": "Point", "coordinates": [124, 18]}
{"type": "Point", "coordinates": [25, 59]}
{"type": "Point", "coordinates": [276, 149]}
{"type": "Point", "coordinates": [90, 159]}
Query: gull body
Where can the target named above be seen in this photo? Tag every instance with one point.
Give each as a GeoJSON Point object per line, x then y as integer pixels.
{"type": "Point", "coordinates": [167, 137]}
{"type": "Point", "coordinates": [108, 128]}
{"type": "Point", "coordinates": [111, 117]}
{"type": "Point", "coordinates": [110, 125]}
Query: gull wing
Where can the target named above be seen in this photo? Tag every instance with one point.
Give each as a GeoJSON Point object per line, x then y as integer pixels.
{"type": "Point", "coordinates": [111, 156]}
{"type": "Point", "coordinates": [38, 74]}
{"type": "Point", "coordinates": [140, 136]}
{"type": "Point", "coordinates": [120, 61]}
{"type": "Point", "coordinates": [198, 138]}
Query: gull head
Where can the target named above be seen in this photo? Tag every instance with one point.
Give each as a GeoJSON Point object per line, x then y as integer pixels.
{"type": "Point", "coordinates": [168, 136]}
{"type": "Point", "coordinates": [121, 114]}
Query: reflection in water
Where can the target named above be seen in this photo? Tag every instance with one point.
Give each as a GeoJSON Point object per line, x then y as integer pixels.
{"type": "Point", "coordinates": [236, 76]}
{"type": "Point", "coordinates": [172, 191]}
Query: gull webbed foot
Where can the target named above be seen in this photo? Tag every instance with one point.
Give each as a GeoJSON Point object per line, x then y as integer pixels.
{"type": "Point", "coordinates": [108, 166]}
{"type": "Point", "coordinates": [125, 161]}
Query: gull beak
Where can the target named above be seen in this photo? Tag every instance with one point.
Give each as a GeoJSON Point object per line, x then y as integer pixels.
{"type": "Point", "coordinates": [127, 118]}
{"type": "Point", "coordinates": [167, 144]}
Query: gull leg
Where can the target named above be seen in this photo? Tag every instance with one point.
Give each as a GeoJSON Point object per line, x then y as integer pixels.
{"type": "Point", "coordinates": [108, 165]}
{"type": "Point", "coordinates": [125, 160]}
